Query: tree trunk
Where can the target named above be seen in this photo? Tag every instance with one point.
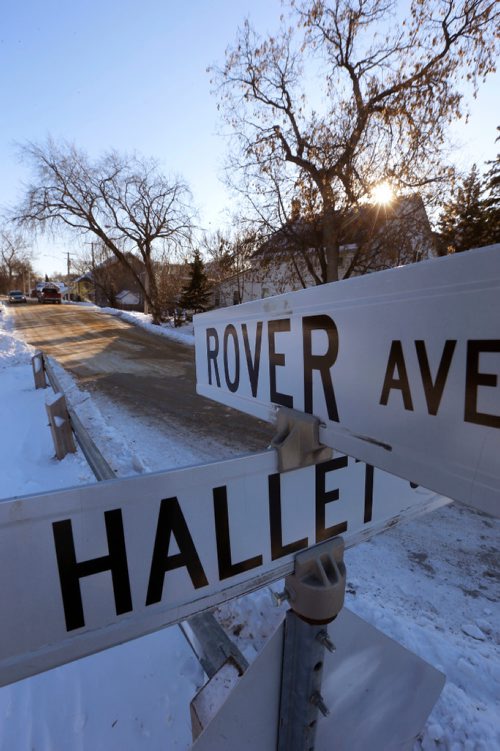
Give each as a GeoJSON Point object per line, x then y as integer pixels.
{"type": "Point", "coordinates": [151, 291]}
{"type": "Point", "coordinates": [330, 235]}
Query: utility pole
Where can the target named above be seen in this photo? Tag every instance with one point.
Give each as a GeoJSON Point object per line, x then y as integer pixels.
{"type": "Point", "coordinates": [69, 265]}
{"type": "Point", "coordinates": [146, 284]}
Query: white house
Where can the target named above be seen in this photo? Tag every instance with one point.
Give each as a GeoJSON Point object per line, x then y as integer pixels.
{"type": "Point", "coordinates": [373, 238]}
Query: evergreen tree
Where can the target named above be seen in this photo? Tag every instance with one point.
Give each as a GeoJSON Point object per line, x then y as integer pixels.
{"type": "Point", "coordinates": [492, 199]}
{"type": "Point", "coordinates": [464, 222]}
{"type": "Point", "coordinates": [195, 295]}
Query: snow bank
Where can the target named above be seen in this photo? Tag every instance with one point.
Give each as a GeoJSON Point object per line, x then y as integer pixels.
{"type": "Point", "coordinates": [182, 334]}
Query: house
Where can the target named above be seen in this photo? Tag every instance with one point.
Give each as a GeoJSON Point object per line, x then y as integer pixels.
{"type": "Point", "coordinates": [371, 238]}
{"type": "Point", "coordinates": [128, 300]}
{"type": "Point", "coordinates": [82, 287]}
{"type": "Point", "coordinates": [111, 284]}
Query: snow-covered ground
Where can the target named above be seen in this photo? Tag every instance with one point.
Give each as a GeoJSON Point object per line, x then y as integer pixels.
{"type": "Point", "coordinates": [431, 584]}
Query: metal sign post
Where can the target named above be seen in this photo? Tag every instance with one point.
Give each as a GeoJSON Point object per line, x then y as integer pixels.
{"type": "Point", "coordinates": [304, 692]}
{"type": "Point", "coordinates": [315, 591]}
{"type": "Point", "coordinates": [379, 695]}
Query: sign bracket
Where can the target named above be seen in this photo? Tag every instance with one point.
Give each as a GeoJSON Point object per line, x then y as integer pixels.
{"type": "Point", "coordinates": [297, 440]}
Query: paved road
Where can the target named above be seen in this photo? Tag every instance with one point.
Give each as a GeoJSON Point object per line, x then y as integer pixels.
{"type": "Point", "coordinates": [150, 375]}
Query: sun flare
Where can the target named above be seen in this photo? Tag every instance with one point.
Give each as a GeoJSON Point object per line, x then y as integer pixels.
{"type": "Point", "coordinates": [382, 193]}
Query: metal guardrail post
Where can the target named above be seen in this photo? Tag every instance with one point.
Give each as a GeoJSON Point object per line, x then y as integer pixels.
{"type": "Point", "coordinates": [97, 462]}
{"type": "Point", "coordinates": [210, 643]}
{"type": "Point", "coordinates": [60, 426]}
{"type": "Point", "coordinates": [38, 365]}
{"type": "Point", "coordinates": [316, 594]}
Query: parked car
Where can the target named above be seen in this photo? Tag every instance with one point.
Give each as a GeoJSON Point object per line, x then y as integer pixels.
{"type": "Point", "coordinates": [16, 295]}
{"type": "Point", "coordinates": [49, 293]}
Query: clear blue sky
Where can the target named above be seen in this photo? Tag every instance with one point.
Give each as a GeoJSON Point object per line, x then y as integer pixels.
{"type": "Point", "coordinates": [131, 76]}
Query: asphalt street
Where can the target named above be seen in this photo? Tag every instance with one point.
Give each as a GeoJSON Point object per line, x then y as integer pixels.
{"type": "Point", "coordinates": [153, 377]}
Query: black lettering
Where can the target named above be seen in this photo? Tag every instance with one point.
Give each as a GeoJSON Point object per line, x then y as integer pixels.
{"type": "Point", "coordinates": [277, 359]}
{"type": "Point", "coordinates": [369, 471]}
{"type": "Point", "coordinates": [212, 355]}
{"type": "Point", "coordinates": [434, 391]}
{"type": "Point", "coordinates": [71, 571]}
{"type": "Point", "coordinates": [323, 497]}
{"type": "Point", "coordinates": [230, 331]}
{"type": "Point", "coordinates": [253, 365]}
{"type": "Point", "coordinates": [368, 493]}
{"type": "Point", "coordinates": [396, 362]}
{"type": "Point", "coordinates": [322, 363]}
{"type": "Point", "coordinates": [171, 521]}
{"type": "Point", "coordinates": [474, 379]}
{"type": "Point", "coordinates": [278, 550]}
{"type": "Point", "coordinates": [226, 567]}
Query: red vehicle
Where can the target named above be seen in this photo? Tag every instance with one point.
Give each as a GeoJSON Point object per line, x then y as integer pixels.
{"type": "Point", "coordinates": [50, 293]}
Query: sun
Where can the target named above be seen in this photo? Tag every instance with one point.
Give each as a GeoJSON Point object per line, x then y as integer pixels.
{"type": "Point", "coordinates": [382, 193]}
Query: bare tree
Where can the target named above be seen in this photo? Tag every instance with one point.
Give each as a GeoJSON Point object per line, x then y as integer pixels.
{"type": "Point", "coordinates": [95, 264]}
{"type": "Point", "coordinates": [15, 261]}
{"type": "Point", "coordinates": [217, 248]}
{"type": "Point", "coordinates": [380, 109]}
{"type": "Point", "coordinates": [171, 278]}
{"type": "Point", "coordinates": [125, 202]}
{"type": "Point", "coordinates": [230, 256]}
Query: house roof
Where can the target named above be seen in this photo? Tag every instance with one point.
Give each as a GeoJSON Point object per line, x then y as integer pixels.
{"type": "Point", "coordinates": [108, 262]}
{"type": "Point", "coordinates": [354, 226]}
{"type": "Point", "coordinates": [134, 298]}
{"type": "Point", "coordinates": [87, 277]}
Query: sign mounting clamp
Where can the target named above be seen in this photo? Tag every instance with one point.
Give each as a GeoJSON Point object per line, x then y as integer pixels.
{"type": "Point", "coordinates": [297, 440]}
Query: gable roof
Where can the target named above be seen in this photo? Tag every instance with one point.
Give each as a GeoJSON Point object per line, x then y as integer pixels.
{"type": "Point", "coordinates": [109, 263]}
{"type": "Point", "coordinates": [128, 297]}
{"type": "Point", "coordinates": [355, 226]}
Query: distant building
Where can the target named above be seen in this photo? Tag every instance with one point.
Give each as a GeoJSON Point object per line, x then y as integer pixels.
{"type": "Point", "coordinates": [82, 288]}
{"type": "Point", "coordinates": [112, 284]}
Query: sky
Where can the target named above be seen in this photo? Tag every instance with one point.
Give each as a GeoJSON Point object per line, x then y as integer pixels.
{"type": "Point", "coordinates": [429, 584]}
{"type": "Point", "coordinates": [133, 76]}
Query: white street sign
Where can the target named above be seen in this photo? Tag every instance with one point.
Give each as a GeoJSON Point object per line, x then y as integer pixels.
{"type": "Point", "coordinates": [402, 368]}
{"type": "Point", "coordinates": [86, 568]}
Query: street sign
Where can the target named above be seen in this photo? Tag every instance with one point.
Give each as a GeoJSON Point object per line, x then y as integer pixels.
{"type": "Point", "coordinates": [86, 568]}
{"type": "Point", "coordinates": [402, 368]}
